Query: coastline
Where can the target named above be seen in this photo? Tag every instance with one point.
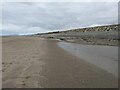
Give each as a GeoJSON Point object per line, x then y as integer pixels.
{"type": "Point", "coordinates": [34, 62]}
{"type": "Point", "coordinates": [104, 57]}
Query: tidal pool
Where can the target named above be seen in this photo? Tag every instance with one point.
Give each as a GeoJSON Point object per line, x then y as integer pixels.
{"type": "Point", "coordinates": [105, 57]}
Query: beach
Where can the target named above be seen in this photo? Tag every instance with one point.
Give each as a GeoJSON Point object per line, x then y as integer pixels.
{"type": "Point", "coordinates": [34, 62]}
{"type": "Point", "coordinates": [105, 57]}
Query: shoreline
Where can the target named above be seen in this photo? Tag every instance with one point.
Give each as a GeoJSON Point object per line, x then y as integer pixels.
{"type": "Point", "coordinates": [101, 55]}
{"type": "Point", "coordinates": [34, 62]}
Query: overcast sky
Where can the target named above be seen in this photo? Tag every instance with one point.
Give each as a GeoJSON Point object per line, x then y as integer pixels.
{"type": "Point", "coordinates": [26, 18]}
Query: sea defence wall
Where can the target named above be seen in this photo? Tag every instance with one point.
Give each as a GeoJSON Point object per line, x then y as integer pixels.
{"type": "Point", "coordinates": [90, 34]}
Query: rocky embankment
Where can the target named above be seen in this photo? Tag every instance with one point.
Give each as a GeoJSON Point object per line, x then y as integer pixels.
{"type": "Point", "coordinates": [100, 35]}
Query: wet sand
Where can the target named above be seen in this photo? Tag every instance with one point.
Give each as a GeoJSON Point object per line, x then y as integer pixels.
{"type": "Point", "coordinates": [105, 57]}
{"type": "Point", "coordinates": [33, 62]}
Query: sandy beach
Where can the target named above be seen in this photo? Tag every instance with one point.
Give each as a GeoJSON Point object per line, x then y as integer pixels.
{"type": "Point", "coordinates": [105, 57]}
{"type": "Point", "coordinates": [34, 62]}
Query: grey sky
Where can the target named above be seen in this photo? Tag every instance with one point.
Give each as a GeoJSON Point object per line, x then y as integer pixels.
{"type": "Point", "coordinates": [25, 18]}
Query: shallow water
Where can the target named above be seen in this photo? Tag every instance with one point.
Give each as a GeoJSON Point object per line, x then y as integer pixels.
{"type": "Point", "coordinates": [105, 57]}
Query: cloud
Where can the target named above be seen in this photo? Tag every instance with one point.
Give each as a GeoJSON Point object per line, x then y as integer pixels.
{"type": "Point", "coordinates": [59, 0]}
{"type": "Point", "coordinates": [20, 29]}
{"type": "Point", "coordinates": [22, 18]}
